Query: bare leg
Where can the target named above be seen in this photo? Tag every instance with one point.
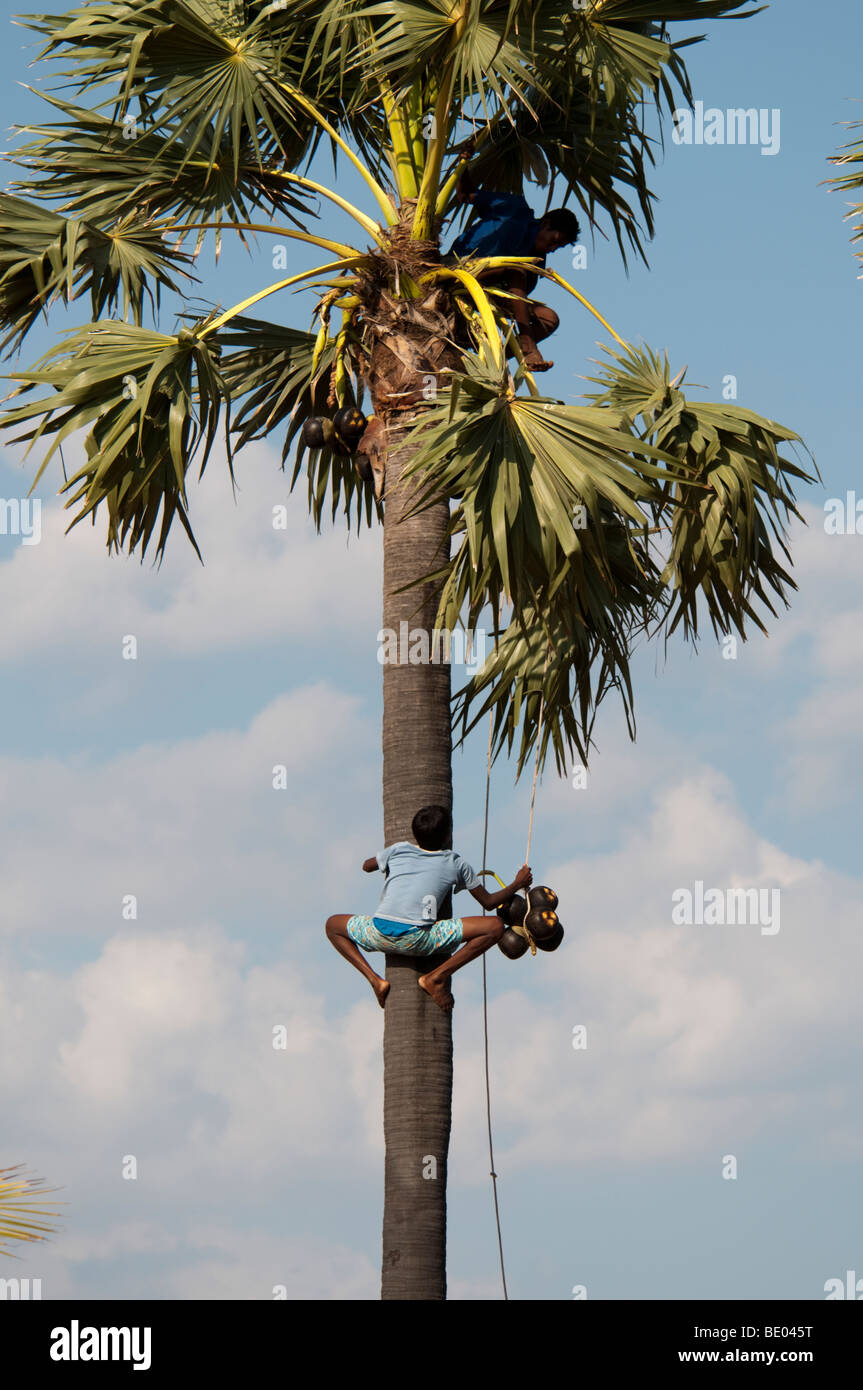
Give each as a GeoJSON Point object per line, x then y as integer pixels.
{"type": "Point", "coordinates": [337, 932]}
{"type": "Point", "coordinates": [543, 322]}
{"type": "Point", "coordinates": [480, 933]}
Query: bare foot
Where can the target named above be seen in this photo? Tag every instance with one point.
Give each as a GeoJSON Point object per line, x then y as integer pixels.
{"type": "Point", "coordinates": [440, 993]}
{"type": "Point", "coordinates": [537, 364]}
{"type": "Point", "coordinates": [381, 989]}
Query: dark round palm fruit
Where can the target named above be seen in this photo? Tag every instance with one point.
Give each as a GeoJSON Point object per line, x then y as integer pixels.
{"type": "Point", "coordinates": [543, 897]}
{"type": "Point", "coordinates": [512, 913]}
{"type": "Point", "coordinates": [318, 433]}
{"type": "Point", "coordinates": [552, 942]}
{"type": "Point", "coordinates": [350, 423]}
{"type": "Point", "coordinates": [512, 944]}
{"type": "Point", "coordinates": [541, 923]}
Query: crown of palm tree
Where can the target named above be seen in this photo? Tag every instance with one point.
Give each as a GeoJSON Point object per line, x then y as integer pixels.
{"type": "Point", "coordinates": [202, 119]}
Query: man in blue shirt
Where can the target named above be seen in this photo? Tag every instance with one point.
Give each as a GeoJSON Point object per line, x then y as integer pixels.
{"type": "Point", "coordinates": [419, 879]}
{"type": "Point", "coordinates": [506, 226]}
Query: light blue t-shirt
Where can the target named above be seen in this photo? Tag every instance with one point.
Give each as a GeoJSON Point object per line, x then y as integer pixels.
{"type": "Point", "coordinates": [418, 881]}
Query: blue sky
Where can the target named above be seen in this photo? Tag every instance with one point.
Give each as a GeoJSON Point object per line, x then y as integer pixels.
{"type": "Point", "coordinates": [151, 1037]}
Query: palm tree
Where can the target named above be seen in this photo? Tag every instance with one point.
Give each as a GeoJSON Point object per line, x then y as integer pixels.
{"type": "Point", "coordinates": [581, 527]}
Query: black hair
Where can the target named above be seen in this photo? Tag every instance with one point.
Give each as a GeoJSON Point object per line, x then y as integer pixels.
{"type": "Point", "coordinates": [432, 827]}
{"type": "Point", "coordinates": [563, 220]}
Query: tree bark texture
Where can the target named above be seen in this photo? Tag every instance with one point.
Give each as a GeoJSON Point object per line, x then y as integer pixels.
{"type": "Point", "coordinates": [417, 772]}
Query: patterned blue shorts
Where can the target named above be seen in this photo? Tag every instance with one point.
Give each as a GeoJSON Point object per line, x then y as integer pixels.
{"type": "Point", "coordinates": [419, 941]}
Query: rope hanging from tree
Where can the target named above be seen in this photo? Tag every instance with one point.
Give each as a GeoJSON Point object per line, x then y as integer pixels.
{"type": "Point", "coordinates": [485, 1022]}
{"type": "Point", "coordinates": [530, 939]}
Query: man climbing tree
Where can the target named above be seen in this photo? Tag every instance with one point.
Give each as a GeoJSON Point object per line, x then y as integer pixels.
{"type": "Point", "coordinates": [506, 226]}
{"type": "Point", "coordinates": [419, 876]}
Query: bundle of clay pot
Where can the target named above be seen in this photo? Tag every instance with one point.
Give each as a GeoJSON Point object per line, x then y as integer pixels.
{"type": "Point", "coordinates": [342, 433]}
{"type": "Point", "coordinates": [531, 922]}
{"type": "Point", "coordinates": [351, 434]}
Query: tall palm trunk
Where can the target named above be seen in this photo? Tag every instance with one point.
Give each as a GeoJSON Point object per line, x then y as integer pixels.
{"type": "Point", "coordinates": [417, 1034]}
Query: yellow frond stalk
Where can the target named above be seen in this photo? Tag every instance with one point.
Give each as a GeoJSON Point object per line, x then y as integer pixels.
{"type": "Point", "coordinates": [384, 202]}
{"type": "Point", "coordinates": [23, 1209]}
{"type": "Point", "coordinates": [414, 121]}
{"type": "Point", "coordinates": [273, 289]}
{"type": "Point", "coordinates": [403, 153]}
{"type": "Point", "coordinates": [362, 218]}
{"type": "Point", "coordinates": [449, 186]}
{"type": "Point", "coordinates": [482, 263]}
{"type": "Point", "coordinates": [430, 186]}
{"type": "Point", "coordinates": [528, 375]}
{"type": "Point", "coordinates": [338, 248]}
{"type": "Point", "coordinates": [559, 280]}
{"type": "Point", "coordinates": [428, 193]}
{"type": "Point", "coordinates": [480, 299]}
{"type": "Point", "coordinates": [341, 374]}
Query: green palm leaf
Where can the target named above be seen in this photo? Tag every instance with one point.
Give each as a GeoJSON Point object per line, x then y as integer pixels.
{"type": "Point", "coordinates": [733, 503]}
{"type": "Point", "coordinates": [102, 169]}
{"type": "Point", "coordinates": [45, 256]}
{"type": "Point", "coordinates": [151, 405]}
{"type": "Point", "coordinates": [418, 36]}
{"type": "Point", "coordinates": [526, 474]}
{"type": "Point", "coordinates": [679, 504]}
{"type": "Point", "coordinates": [195, 66]}
{"type": "Point", "coordinates": [557, 660]}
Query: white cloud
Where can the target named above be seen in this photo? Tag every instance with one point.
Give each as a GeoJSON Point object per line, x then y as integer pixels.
{"type": "Point", "coordinates": [819, 648]}
{"type": "Point", "coordinates": [138, 1259]}
{"type": "Point", "coordinates": [188, 827]}
{"type": "Point", "coordinates": [163, 1050]}
{"type": "Point", "coordinates": [250, 1265]}
{"type": "Point", "coordinates": [700, 1038]}
{"type": "Point", "coordinates": [124, 1238]}
{"type": "Point", "coordinates": [257, 584]}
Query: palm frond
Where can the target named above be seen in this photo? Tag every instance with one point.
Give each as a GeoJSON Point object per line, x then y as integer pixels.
{"type": "Point", "coordinates": [557, 660]}
{"type": "Point", "coordinates": [598, 524]}
{"type": "Point", "coordinates": [151, 404]}
{"type": "Point", "coordinates": [103, 169]}
{"type": "Point", "coordinates": [732, 499]}
{"type": "Point", "coordinates": [24, 1212]}
{"type": "Point", "coordinates": [194, 66]}
{"type": "Point", "coordinates": [526, 474]}
{"type": "Point", "coordinates": [45, 257]}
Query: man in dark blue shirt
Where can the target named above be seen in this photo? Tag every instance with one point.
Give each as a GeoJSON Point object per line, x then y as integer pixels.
{"type": "Point", "coordinates": [506, 226]}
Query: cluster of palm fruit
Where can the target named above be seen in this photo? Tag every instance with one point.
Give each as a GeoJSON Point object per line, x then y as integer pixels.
{"type": "Point", "coordinates": [342, 433]}
{"type": "Point", "coordinates": [534, 920]}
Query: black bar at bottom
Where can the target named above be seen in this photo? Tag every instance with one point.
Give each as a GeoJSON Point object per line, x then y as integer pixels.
{"type": "Point", "coordinates": [85, 1339]}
